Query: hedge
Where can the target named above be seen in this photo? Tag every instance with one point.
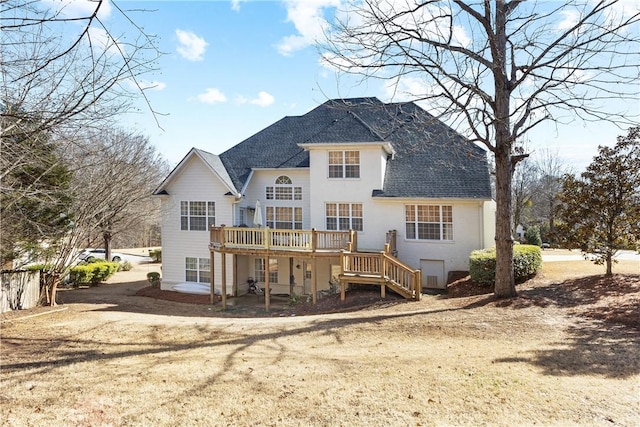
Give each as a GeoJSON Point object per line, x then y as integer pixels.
{"type": "Point", "coordinates": [156, 254]}
{"type": "Point", "coordinates": [527, 262]}
{"type": "Point", "coordinates": [93, 272]}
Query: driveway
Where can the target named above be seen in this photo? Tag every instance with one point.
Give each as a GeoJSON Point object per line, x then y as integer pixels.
{"type": "Point", "coordinates": [551, 255]}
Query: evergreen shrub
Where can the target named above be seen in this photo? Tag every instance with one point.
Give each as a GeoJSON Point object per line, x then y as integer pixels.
{"type": "Point", "coordinates": [527, 262]}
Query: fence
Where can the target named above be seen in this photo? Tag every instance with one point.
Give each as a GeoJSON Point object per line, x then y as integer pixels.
{"type": "Point", "coordinates": [19, 290]}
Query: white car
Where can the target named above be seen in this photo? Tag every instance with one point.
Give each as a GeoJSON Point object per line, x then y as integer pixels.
{"type": "Point", "coordinates": [89, 254]}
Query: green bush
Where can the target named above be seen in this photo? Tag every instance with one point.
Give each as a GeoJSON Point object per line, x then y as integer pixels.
{"type": "Point", "coordinates": [125, 266]}
{"type": "Point", "coordinates": [94, 272]}
{"type": "Point", "coordinates": [527, 261]}
{"type": "Point", "coordinates": [482, 266]}
{"type": "Point", "coordinates": [154, 279]}
{"type": "Point", "coordinates": [156, 254]}
{"type": "Point", "coordinates": [81, 274]}
{"type": "Point", "coordinates": [39, 267]}
{"type": "Point", "coordinates": [532, 236]}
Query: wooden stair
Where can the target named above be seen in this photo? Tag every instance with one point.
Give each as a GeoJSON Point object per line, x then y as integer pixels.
{"type": "Point", "coordinates": [380, 269]}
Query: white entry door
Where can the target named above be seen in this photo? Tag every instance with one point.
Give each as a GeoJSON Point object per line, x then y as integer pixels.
{"type": "Point", "coordinates": [432, 274]}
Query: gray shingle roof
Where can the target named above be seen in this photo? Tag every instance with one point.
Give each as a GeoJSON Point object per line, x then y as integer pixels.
{"type": "Point", "coordinates": [431, 160]}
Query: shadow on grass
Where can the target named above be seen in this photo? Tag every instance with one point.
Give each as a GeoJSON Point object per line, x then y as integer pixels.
{"type": "Point", "coordinates": [604, 343]}
{"type": "Point", "coordinates": [605, 339]}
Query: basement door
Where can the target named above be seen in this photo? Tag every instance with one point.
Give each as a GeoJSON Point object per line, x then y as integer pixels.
{"type": "Point", "coordinates": [432, 274]}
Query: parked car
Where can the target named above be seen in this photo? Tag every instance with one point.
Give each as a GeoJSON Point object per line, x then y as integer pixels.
{"type": "Point", "coordinates": [89, 254]}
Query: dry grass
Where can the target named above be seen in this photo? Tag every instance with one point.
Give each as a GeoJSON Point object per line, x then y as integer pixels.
{"type": "Point", "coordinates": [544, 358]}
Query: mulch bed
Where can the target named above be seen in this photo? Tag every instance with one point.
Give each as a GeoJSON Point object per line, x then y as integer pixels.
{"type": "Point", "coordinates": [176, 296]}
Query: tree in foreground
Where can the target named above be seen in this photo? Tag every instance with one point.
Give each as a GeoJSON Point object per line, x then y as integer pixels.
{"type": "Point", "coordinates": [496, 70]}
{"type": "Point", "coordinates": [600, 210]}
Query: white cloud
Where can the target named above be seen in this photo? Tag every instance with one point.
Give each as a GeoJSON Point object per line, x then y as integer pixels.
{"type": "Point", "coordinates": [79, 8]}
{"type": "Point", "coordinates": [570, 18]}
{"type": "Point", "coordinates": [102, 40]}
{"type": "Point", "coordinates": [235, 4]}
{"type": "Point", "coordinates": [212, 96]}
{"type": "Point", "coordinates": [190, 46]}
{"type": "Point", "coordinates": [307, 16]}
{"type": "Point", "coordinates": [264, 99]}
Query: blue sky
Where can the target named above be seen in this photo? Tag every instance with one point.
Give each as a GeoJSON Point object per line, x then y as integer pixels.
{"type": "Point", "coordinates": [231, 68]}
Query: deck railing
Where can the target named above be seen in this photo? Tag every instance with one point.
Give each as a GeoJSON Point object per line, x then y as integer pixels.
{"type": "Point", "coordinates": [383, 267]}
{"type": "Point", "coordinates": [282, 240]}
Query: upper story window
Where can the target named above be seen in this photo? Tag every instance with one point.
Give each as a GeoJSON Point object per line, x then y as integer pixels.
{"type": "Point", "coordinates": [343, 216]}
{"type": "Point", "coordinates": [344, 164]}
{"type": "Point", "coordinates": [284, 217]}
{"type": "Point", "coordinates": [283, 190]}
{"type": "Point", "coordinates": [429, 222]}
{"type": "Point", "coordinates": [197, 215]}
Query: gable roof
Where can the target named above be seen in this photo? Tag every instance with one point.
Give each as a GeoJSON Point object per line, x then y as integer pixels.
{"type": "Point", "coordinates": [430, 159]}
{"type": "Point", "coordinates": [210, 160]}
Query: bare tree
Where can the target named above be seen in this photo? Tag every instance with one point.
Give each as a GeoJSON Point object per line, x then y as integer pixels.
{"type": "Point", "coordinates": [550, 170]}
{"type": "Point", "coordinates": [522, 191]}
{"type": "Point", "coordinates": [496, 69]}
{"type": "Point", "coordinates": [114, 175]}
{"type": "Point", "coordinates": [60, 66]}
{"type": "Point", "coordinates": [116, 172]}
{"type": "Point", "coordinates": [63, 69]}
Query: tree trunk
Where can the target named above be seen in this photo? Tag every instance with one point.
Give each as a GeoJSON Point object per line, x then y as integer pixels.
{"type": "Point", "coordinates": [504, 281]}
{"type": "Point", "coordinates": [106, 236]}
{"type": "Point", "coordinates": [609, 262]}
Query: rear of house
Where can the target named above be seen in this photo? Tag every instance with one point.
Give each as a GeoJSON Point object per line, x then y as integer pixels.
{"type": "Point", "coordinates": [354, 175]}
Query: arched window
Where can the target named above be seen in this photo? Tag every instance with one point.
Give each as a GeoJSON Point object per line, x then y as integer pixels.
{"type": "Point", "coordinates": [283, 189]}
{"type": "Point", "coordinates": [283, 180]}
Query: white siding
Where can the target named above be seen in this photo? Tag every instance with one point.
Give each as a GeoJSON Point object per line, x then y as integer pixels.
{"type": "Point", "coordinates": [352, 190]}
{"type": "Point", "coordinates": [263, 178]}
{"type": "Point", "coordinates": [473, 220]}
{"type": "Point", "coordinates": [195, 182]}
{"type": "Point", "coordinates": [467, 235]}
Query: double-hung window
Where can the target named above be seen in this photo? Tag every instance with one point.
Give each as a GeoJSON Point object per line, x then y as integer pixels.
{"type": "Point", "coordinates": [284, 217]}
{"type": "Point", "coordinates": [197, 270]}
{"type": "Point", "coordinates": [344, 164]}
{"type": "Point", "coordinates": [197, 215]}
{"type": "Point", "coordinates": [283, 190]}
{"type": "Point", "coordinates": [429, 222]}
{"type": "Point", "coordinates": [343, 216]}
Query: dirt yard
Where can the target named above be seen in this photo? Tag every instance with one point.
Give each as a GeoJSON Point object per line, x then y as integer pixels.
{"type": "Point", "coordinates": [565, 352]}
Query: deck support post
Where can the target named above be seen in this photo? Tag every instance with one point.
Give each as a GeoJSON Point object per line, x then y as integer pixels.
{"type": "Point", "coordinates": [343, 288]}
{"type": "Point", "coordinates": [223, 291]}
{"type": "Point", "coordinates": [234, 280]}
{"type": "Point", "coordinates": [211, 267]}
{"type": "Point", "coordinates": [314, 283]}
{"type": "Point", "coordinates": [267, 285]}
{"type": "Point", "coordinates": [383, 289]}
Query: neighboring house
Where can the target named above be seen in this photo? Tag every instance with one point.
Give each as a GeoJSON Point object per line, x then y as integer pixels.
{"type": "Point", "coordinates": [330, 196]}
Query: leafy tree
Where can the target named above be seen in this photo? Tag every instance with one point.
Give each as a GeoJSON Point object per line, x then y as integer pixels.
{"type": "Point", "coordinates": [497, 69]}
{"type": "Point", "coordinates": [532, 235]}
{"type": "Point", "coordinates": [34, 198]}
{"type": "Point", "coordinates": [600, 210]}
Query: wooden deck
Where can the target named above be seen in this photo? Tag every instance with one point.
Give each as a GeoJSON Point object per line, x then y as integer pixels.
{"type": "Point", "coordinates": [372, 268]}
{"type": "Point", "coordinates": [243, 239]}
